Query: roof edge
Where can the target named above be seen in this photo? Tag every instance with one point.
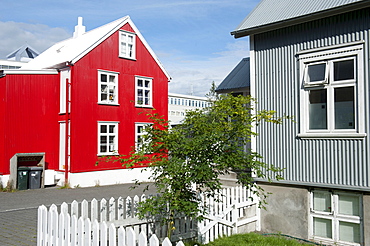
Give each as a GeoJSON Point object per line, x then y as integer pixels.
{"type": "Point", "coordinates": [35, 71]}
{"type": "Point", "coordinates": [300, 19]}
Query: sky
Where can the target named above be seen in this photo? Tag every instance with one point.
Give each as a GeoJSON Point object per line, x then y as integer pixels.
{"type": "Point", "coordinates": [190, 37]}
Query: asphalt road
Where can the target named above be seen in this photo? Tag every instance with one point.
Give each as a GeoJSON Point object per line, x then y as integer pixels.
{"type": "Point", "coordinates": [18, 210]}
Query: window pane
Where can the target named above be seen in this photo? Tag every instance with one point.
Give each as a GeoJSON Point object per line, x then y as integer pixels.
{"type": "Point", "coordinates": [130, 50]}
{"type": "Point", "coordinates": [111, 129]}
{"type": "Point", "coordinates": [349, 232]}
{"type": "Point", "coordinates": [322, 227]}
{"type": "Point", "coordinates": [316, 72]}
{"type": "Point", "coordinates": [147, 83]}
{"type": "Point", "coordinates": [112, 78]}
{"type": "Point", "coordinates": [317, 109]}
{"type": "Point", "coordinates": [322, 201]}
{"type": "Point", "coordinates": [140, 129]}
{"type": "Point", "coordinates": [103, 139]}
{"type": "Point", "coordinates": [103, 129]}
{"type": "Point", "coordinates": [103, 148]}
{"type": "Point", "coordinates": [344, 70]}
{"type": "Point", "coordinates": [103, 78]}
{"type": "Point", "coordinates": [140, 83]}
{"type": "Point", "coordinates": [349, 205]}
{"type": "Point", "coordinates": [344, 108]}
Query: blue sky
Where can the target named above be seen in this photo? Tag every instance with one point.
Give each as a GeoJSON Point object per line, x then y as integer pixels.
{"type": "Point", "coordinates": [191, 37]}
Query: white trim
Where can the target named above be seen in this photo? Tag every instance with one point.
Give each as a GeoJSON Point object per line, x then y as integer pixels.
{"type": "Point", "coordinates": [106, 177]}
{"type": "Point", "coordinates": [331, 55]}
{"type": "Point", "coordinates": [142, 124]}
{"type": "Point", "coordinates": [334, 216]}
{"type": "Point", "coordinates": [108, 85]}
{"type": "Point", "coordinates": [302, 52]}
{"type": "Point", "coordinates": [252, 88]}
{"type": "Point", "coordinates": [143, 88]}
{"type": "Point", "coordinates": [39, 71]}
{"type": "Point", "coordinates": [142, 39]}
{"type": "Point", "coordinates": [124, 52]}
{"type": "Point", "coordinates": [108, 134]}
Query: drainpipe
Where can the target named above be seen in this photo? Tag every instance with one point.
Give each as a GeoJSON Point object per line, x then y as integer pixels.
{"type": "Point", "coordinates": [67, 119]}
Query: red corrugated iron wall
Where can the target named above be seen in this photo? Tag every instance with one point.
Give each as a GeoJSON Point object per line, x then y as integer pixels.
{"type": "Point", "coordinates": [29, 114]}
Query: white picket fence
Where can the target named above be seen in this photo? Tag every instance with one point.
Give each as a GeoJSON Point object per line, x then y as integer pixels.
{"type": "Point", "coordinates": [234, 210]}
{"type": "Point", "coordinates": [113, 222]}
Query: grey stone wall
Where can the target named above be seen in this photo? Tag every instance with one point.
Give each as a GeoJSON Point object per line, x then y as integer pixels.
{"type": "Point", "coordinates": [286, 211]}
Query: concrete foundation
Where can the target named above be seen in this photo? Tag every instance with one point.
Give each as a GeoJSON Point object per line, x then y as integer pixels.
{"type": "Point", "coordinates": [286, 211]}
{"type": "Point", "coordinates": [366, 218]}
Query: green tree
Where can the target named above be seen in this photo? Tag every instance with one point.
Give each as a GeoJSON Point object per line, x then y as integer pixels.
{"type": "Point", "coordinates": [210, 142]}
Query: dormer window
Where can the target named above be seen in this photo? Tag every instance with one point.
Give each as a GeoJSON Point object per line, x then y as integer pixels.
{"type": "Point", "coordinates": [127, 45]}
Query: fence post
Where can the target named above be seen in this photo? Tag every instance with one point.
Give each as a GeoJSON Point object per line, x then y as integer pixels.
{"type": "Point", "coordinates": [153, 241]}
{"type": "Point", "coordinates": [74, 208]}
{"type": "Point", "coordinates": [130, 237]}
{"type": "Point", "coordinates": [103, 210]}
{"type": "Point", "coordinates": [84, 209]}
{"type": "Point", "coordinates": [41, 225]}
{"type": "Point", "coordinates": [112, 235]}
{"type": "Point", "coordinates": [166, 242]}
{"type": "Point", "coordinates": [94, 209]}
{"type": "Point", "coordinates": [87, 235]}
{"type": "Point", "coordinates": [95, 233]}
{"type": "Point", "coordinates": [53, 225]}
{"type": "Point", "coordinates": [120, 208]}
{"type": "Point", "coordinates": [121, 236]}
{"type": "Point", "coordinates": [73, 230]}
{"type": "Point", "coordinates": [112, 209]}
{"type": "Point", "coordinates": [103, 234]}
{"type": "Point", "coordinates": [80, 231]}
{"type": "Point", "coordinates": [143, 239]}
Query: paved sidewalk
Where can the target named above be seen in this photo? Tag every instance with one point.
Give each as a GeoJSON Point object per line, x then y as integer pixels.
{"type": "Point", "coordinates": [18, 210]}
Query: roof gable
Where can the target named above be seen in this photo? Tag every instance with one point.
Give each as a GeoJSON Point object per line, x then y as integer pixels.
{"type": "Point", "coordinates": [238, 78]}
{"type": "Point", "coordinates": [73, 49]}
{"type": "Point", "coordinates": [277, 13]}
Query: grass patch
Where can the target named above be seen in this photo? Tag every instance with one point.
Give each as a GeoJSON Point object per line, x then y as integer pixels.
{"type": "Point", "coordinates": [255, 240]}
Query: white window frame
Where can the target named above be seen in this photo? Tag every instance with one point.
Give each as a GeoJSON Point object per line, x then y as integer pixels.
{"type": "Point", "coordinates": [141, 98]}
{"type": "Point", "coordinates": [111, 99]}
{"type": "Point", "coordinates": [108, 134]}
{"type": "Point", "coordinates": [328, 56]}
{"type": "Point", "coordinates": [127, 48]}
{"type": "Point", "coordinates": [138, 135]}
{"type": "Point", "coordinates": [335, 217]}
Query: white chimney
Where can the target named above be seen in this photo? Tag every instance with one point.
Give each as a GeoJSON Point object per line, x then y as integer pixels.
{"type": "Point", "coordinates": [79, 29]}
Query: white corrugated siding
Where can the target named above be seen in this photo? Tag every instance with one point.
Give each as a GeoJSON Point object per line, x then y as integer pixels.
{"type": "Point", "coordinates": [337, 161]}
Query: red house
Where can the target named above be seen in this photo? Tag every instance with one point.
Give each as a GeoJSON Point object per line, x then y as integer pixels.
{"type": "Point", "coordinates": [98, 81]}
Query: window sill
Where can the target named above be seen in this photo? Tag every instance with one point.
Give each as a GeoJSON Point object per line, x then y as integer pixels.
{"type": "Point", "coordinates": [332, 135]}
{"type": "Point", "coordinates": [108, 154]}
{"type": "Point", "coordinates": [128, 58]}
{"type": "Point", "coordinates": [109, 104]}
{"type": "Point", "coordinates": [143, 106]}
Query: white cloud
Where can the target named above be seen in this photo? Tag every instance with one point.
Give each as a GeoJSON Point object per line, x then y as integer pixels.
{"type": "Point", "coordinates": [196, 76]}
{"type": "Point", "coordinates": [40, 37]}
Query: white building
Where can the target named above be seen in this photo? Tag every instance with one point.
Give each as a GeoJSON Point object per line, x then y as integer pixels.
{"type": "Point", "coordinates": [178, 104]}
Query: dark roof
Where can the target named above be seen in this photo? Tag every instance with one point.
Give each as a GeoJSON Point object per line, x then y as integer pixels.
{"type": "Point", "coordinates": [238, 78]}
{"type": "Point", "coordinates": [272, 14]}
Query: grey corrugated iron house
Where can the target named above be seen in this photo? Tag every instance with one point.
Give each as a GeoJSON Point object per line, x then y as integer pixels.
{"type": "Point", "coordinates": [310, 59]}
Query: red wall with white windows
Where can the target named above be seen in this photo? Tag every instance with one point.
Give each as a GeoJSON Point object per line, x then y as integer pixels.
{"type": "Point", "coordinates": [86, 112]}
{"type": "Point", "coordinates": [30, 107]}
